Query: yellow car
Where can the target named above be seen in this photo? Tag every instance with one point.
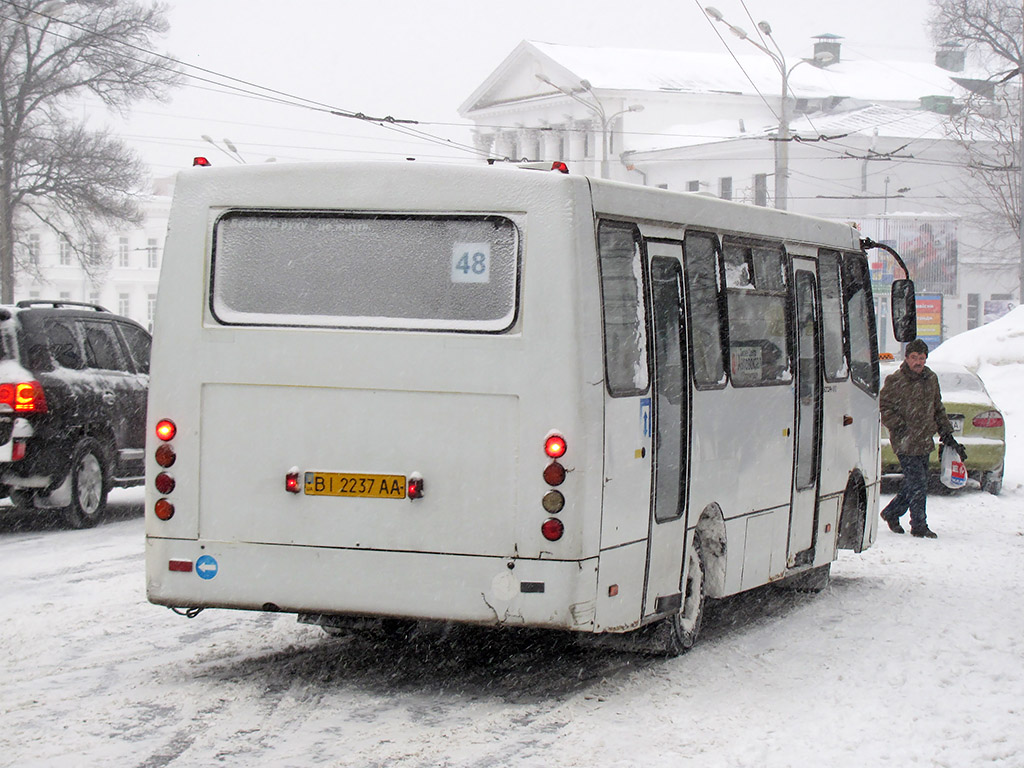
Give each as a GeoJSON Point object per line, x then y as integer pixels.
{"type": "Point", "coordinates": [977, 425]}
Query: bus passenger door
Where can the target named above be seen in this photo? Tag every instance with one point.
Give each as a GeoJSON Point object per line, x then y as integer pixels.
{"type": "Point", "coordinates": [628, 423]}
{"type": "Point", "coordinates": [671, 399]}
{"type": "Point", "coordinates": [807, 448]}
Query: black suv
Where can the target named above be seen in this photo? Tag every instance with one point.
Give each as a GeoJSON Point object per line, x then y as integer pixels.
{"type": "Point", "coordinates": [73, 384]}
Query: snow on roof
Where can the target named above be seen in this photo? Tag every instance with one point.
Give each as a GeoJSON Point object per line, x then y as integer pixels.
{"type": "Point", "coordinates": [890, 122]}
{"type": "Point", "coordinates": [698, 72]}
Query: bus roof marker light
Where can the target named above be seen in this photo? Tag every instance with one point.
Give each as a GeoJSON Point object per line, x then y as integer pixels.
{"type": "Point", "coordinates": [559, 166]}
{"type": "Point", "coordinates": [200, 161]}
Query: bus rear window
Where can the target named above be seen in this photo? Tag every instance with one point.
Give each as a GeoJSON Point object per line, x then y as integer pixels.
{"type": "Point", "coordinates": [325, 269]}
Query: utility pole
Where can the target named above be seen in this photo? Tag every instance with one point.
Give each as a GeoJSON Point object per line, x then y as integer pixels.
{"type": "Point", "coordinates": [778, 58]}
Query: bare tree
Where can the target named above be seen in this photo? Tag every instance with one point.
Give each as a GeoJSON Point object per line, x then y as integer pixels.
{"type": "Point", "coordinates": [988, 126]}
{"type": "Point", "coordinates": [54, 169]}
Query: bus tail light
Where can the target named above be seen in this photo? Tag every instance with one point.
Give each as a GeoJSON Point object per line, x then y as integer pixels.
{"type": "Point", "coordinates": [165, 455]}
{"type": "Point", "coordinates": [553, 502]}
{"type": "Point", "coordinates": [552, 529]}
{"type": "Point", "coordinates": [164, 483]}
{"type": "Point", "coordinates": [166, 430]}
{"type": "Point", "coordinates": [555, 446]}
{"type": "Point", "coordinates": [554, 473]}
{"type": "Point", "coordinates": [414, 487]}
{"type": "Point", "coordinates": [24, 397]}
{"type": "Point", "coordinates": [988, 419]}
{"type": "Point", "coordinates": [291, 482]}
{"type": "Point", "coordinates": [164, 510]}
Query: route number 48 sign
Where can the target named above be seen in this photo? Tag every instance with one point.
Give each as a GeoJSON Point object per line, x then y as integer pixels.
{"type": "Point", "coordinates": [471, 263]}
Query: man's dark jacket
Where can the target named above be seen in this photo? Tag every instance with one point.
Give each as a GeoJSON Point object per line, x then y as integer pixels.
{"type": "Point", "coordinates": [912, 411]}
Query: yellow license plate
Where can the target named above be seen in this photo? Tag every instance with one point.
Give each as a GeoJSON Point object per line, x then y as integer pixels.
{"type": "Point", "coordinates": [347, 484]}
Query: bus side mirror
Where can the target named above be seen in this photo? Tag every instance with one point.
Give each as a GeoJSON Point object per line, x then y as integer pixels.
{"type": "Point", "coordinates": [904, 310]}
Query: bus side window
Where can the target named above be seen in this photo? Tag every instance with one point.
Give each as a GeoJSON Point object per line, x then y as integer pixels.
{"type": "Point", "coordinates": [622, 300]}
{"type": "Point", "coordinates": [860, 322]}
{"type": "Point", "coordinates": [757, 297]}
{"type": "Point", "coordinates": [836, 368]}
{"type": "Point", "coordinates": [703, 304]}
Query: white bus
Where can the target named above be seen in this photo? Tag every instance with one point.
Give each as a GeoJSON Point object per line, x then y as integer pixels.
{"type": "Point", "coordinates": [501, 396]}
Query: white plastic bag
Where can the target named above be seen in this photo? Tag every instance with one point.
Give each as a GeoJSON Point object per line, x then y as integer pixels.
{"type": "Point", "coordinates": [954, 473]}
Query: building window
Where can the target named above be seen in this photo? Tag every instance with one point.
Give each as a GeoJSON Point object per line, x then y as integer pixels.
{"type": "Point", "coordinates": [725, 187]}
{"type": "Point", "coordinates": [94, 297]}
{"type": "Point", "coordinates": [761, 189]}
{"type": "Point", "coordinates": [693, 186]}
{"type": "Point", "coordinates": [152, 257]}
{"type": "Point", "coordinates": [33, 248]}
{"type": "Point", "coordinates": [124, 304]}
{"type": "Point", "coordinates": [1002, 297]}
{"type": "Point", "coordinates": [122, 251]}
{"type": "Point", "coordinates": [95, 248]}
{"type": "Point", "coordinates": [662, 186]}
{"type": "Point", "coordinates": [150, 310]}
{"type": "Point", "coordinates": [973, 305]}
{"type": "Point", "coordinates": [65, 252]}
{"type": "Point", "coordinates": [33, 294]}
{"type": "Point", "coordinates": [65, 295]}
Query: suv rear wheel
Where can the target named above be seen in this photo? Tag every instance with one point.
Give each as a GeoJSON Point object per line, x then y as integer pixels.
{"type": "Point", "coordinates": [88, 485]}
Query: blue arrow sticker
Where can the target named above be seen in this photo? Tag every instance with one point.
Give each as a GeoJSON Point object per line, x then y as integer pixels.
{"type": "Point", "coordinates": [645, 416]}
{"type": "Point", "coordinates": [206, 567]}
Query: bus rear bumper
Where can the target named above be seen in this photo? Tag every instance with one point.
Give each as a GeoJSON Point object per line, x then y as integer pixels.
{"type": "Point", "coordinates": [499, 591]}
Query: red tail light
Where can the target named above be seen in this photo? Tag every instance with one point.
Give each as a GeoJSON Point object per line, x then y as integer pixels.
{"type": "Point", "coordinates": [552, 529]}
{"type": "Point", "coordinates": [988, 419]}
{"type": "Point", "coordinates": [164, 483]}
{"type": "Point", "coordinates": [165, 429]}
{"type": "Point", "coordinates": [24, 397]}
{"type": "Point", "coordinates": [165, 455]}
{"type": "Point", "coordinates": [165, 511]}
{"type": "Point", "coordinates": [554, 446]}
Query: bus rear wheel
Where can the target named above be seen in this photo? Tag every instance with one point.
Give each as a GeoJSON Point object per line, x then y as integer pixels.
{"type": "Point", "coordinates": [678, 633]}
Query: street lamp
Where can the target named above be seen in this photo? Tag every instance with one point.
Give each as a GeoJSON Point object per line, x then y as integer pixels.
{"type": "Point", "coordinates": [231, 150]}
{"type": "Point", "coordinates": [821, 58]}
{"type": "Point", "coordinates": [598, 109]}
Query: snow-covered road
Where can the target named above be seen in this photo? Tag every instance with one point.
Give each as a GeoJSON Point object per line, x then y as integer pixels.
{"type": "Point", "coordinates": [913, 656]}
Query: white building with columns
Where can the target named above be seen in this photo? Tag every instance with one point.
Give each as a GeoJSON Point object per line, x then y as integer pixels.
{"type": "Point", "coordinates": [872, 143]}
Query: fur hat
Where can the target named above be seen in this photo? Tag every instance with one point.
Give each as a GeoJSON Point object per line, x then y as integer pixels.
{"type": "Point", "coordinates": [917, 345]}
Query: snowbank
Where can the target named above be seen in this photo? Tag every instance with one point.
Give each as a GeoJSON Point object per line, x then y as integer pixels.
{"type": "Point", "coordinates": [996, 353]}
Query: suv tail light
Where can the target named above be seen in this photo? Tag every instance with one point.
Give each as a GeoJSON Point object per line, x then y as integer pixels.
{"type": "Point", "coordinates": [988, 419]}
{"type": "Point", "coordinates": [24, 397]}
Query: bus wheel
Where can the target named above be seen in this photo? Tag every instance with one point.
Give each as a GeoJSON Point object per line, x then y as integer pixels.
{"type": "Point", "coordinates": [677, 634]}
{"type": "Point", "coordinates": [88, 485]}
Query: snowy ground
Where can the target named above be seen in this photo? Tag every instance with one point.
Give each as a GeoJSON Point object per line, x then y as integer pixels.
{"type": "Point", "coordinates": [912, 657]}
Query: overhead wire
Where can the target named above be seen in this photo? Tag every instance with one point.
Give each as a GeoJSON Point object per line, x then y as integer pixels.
{"type": "Point", "coordinates": [388, 122]}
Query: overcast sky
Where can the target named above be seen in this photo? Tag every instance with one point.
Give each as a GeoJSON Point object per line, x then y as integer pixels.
{"type": "Point", "coordinates": [421, 60]}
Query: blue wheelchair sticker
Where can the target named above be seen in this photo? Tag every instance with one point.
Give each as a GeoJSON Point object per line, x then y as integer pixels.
{"type": "Point", "coordinates": [645, 416]}
{"type": "Point", "coordinates": [206, 567]}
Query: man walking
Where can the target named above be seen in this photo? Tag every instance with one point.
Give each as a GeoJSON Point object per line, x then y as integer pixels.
{"type": "Point", "coordinates": [912, 411]}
